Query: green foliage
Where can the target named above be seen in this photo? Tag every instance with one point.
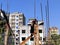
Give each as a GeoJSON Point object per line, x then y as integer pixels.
{"type": "Point", "coordinates": [2, 32]}
{"type": "Point", "coordinates": [55, 39]}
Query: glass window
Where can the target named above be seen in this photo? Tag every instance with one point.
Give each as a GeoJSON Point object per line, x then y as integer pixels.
{"type": "Point", "coordinates": [17, 27]}
{"type": "Point", "coordinates": [16, 43]}
{"type": "Point", "coordinates": [32, 39]}
{"type": "Point", "coordinates": [16, 23]}
{"type": "Point", "coordinates": [16, 16]}
{"type": "Point", "coordinates": [13, 23]}
{"type": "Point", "coordinates": [17, 30]}
{"type": "Point", "coordinates": [13, 35]}
{"type": "Point", "coordinates": [16, 19]}
{"type": "Point", "coordinates": [23, 38]}
{"type": "Point", "coordinates": [16, 34]}
{"type": "Point", "coordinates": [20, 18]}
{"type": "Point", "coordinates": [44, 39]}
{"type": "Point", "coordinates": [40, 31]}
{"type": "Point", "coordinates": [17, 39]}
{"type": "Point", "coordinates": [13, 15]}
{"type": "Point", "coordinates": [23, 31]}
{"type": "Point", "coordinates": [12, 19]}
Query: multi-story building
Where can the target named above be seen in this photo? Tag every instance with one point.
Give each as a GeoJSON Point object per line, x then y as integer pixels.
{"type": "Point", "coordinates": [22, 31]}
{"type": "Point", "coordinates": [53, 30]}
{"type": "Point", "coordinates": [16, 20]}
{"type": "Point", "coordinates": [25, 32]}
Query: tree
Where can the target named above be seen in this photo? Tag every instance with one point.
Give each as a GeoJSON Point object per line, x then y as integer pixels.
{"type": "Point", "coordinates": [2, 23]}
{"type": "Point", "coordinates": [56, 39]}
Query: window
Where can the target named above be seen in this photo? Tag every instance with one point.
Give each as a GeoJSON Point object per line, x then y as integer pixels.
{"type": "Point", "coordinates": [20, 18]}
{"type": "Point", "coordinates": [13, 23]}
{"type": "Point", "coordinates": [16, 16]}
{"type": "Point", "coordinates": [16, 23]}
{"type": "Point", "coordinates": [12, 19]}
{"type": "Point", "coordinates": [13, 34]}
{"type": "Point", "coordinates": [32, 39]}
{"type": "Point", "coordinates": [20, 23]}
{"type": "Point", "coordinates": [17, 30]}
{"type": "Point", "coordinates": [44, 39]}
{"type": "Point", "coordinates": [40, 31]}
{"type": "Point", "coordinates": [23, 31]}
{"type": "Point", "coordinates": [16, 43]}
{"type": "Point", "coordinates": [32, 29]}
{"type": "Point", "coordinates": [17, 27]}
{"type": "Point", "coordinates": [13, 15]}
{"type": "Point", "coordinates": [23, 38]}
{"type": "Point", "coordinates": [12, 26]}
{"type": "Point", "coordinates": [16, 19]}
{"type": "Point", "coordinates": [16, 34]}
{"type": "Point", "coordinates": [17, 39]}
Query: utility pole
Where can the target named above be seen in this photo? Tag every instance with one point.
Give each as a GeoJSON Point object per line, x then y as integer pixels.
{"type": "Point", "coordinates": [47, 22]}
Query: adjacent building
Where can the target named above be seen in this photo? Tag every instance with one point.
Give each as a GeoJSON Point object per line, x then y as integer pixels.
{"type": "Point", "coordinates": [53, 30]}
{"type": "Point", "coordinates": [25, 32]}
{"type": "Point", "coordinates": [16, 20]}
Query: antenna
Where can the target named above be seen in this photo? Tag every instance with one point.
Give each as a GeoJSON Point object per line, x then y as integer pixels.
{"type": "Point", "coordinates": [48, 12]}
{"type": "Point", "coordinates": [7, 6]}
{"type": "Point", "coordinates": [34, 8]}
{"type": "Point", "coordinates": [47, 21]}
{"type": "Point", "coordinates": [46, 18]}
{"type": "Point", "coordinates": [47, 15]}
{"type": "Point", "coordinates": [41, 11]}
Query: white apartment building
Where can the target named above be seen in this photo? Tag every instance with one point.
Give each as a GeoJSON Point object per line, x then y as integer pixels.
{"type": "Point", "coordinates": [21, 31]}
{"type": "Point", "coordinates": [16, 19]}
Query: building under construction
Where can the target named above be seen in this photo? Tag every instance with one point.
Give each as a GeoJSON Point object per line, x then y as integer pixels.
{"type": "Point", "coordinates": [22, 32]}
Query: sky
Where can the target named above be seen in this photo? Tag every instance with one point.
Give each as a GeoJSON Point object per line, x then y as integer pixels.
{"type": "Point", "coordinates": [27, 7]}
